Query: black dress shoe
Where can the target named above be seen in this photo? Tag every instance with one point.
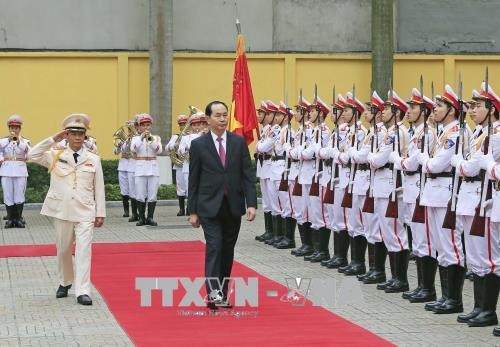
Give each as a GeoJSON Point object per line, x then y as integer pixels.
{"type": "Point", "coordinates": [423, 295]}
{"type": "Point", "coordinates": [464, 318]}
{"type": "Point", "coordinates": [151, 222]}
{"type": "Point", "coordinates": [375, 277]}
{"type": "Point", "coordinates": [357, 269]}
{"type": "Point", "coordinates": [409, 294]}
{"type": "Point", "coordinates": [337, 263]}
{"type": "Point", "coordinates": [397, 286]}
{"type": "Point", "coordinates": [430, 306]}
{"type": "Point", "coordinates": [84, 300]}
{"type": "Point", "coordinates": [496, 331]}
{"type": "Point", "coordinates": [449, 306]}
{"type": "Point", "coordinates": [484, 319]}
{"type": "Point", "coordinates": [62, 291]}
{"type": "Point", "coordinates": [382, 286]}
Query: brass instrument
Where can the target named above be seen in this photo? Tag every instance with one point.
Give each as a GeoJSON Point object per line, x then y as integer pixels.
{"type": "Point", "coordinates": [124, 133]}
{"type": "Point", "coordinates": [177, 159]}
{"type": "Point", "coordinates": [147, 136]}
{"type": "Point", "coordinates": [13, 137]}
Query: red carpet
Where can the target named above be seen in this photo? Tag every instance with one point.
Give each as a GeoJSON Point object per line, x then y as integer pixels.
{"type": "Point", "coordinates": [116, 265]}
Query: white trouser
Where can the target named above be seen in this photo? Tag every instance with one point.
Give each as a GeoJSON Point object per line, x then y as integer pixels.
{"type": "Point", "coordinates": [337, 213]}
{"type": "Point", "coordinates": [146, 188]}
{"type": "Point", "coordinates": [264, 189]}
{"type": "Point", "coordinates": [180, 183]}
{"type": "Point", "coordinates": [422, 244]}
{"type": "Point", "coordinates": [131, 184]}
{"type": "Point", "coordinates": [483, 253]}
{"type": "Point", "coordinates": [286, 201]}
{"type": "Point", "coordinates": [80, 233]}
{"type": "Point", "coordinates": [13, 190]}
{"type": "Point", "coordinates": [373, 233]}
{"type": "Point", "coordinates": [394, 234]}
{"type": "Point", "coordinates": [123, 181]}
{"type": "Point", "coordinates": [300, 205]}
{"type": "Point", "coordinates": [318, 215]}
{"type": "Point", "coordinates": [407, 212]}
{"type": "Point", "coordinates": [355, 221]}
{"type": "Point", "coordinates": [274, 197]}
{"type": "Point", "coordinates": [186, 181]}
{"type": "Point", "coordinates": [448, 242]}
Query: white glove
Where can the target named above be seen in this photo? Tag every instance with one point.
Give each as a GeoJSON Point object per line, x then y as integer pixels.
{"type": "Point", "coordinates": [422, 158]}
{"type": "Point", "coordinates": [287, 147]}
{"type": "Point", "coordinates": [485, 161]}
{"type": "Point", "coordinates": [369, 158]}
{"type": "Point", "coordinates": [394, 157]}
{"type": "Point", "coordinates": [456, 159]}
{"type": "Point", "coordinates": [335, 153]}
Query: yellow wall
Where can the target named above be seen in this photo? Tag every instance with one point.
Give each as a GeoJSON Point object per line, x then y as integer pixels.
{"type": "Point", "coordinates": [43, 87]}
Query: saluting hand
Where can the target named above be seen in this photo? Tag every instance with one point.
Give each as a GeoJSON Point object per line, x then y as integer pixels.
{"type": "Point", "coordinates": [60, 136]}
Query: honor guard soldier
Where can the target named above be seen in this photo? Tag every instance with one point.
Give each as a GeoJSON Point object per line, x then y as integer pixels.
{"type": "Point", "coordinates": [131, 172]}
{"type": "Point", "coordinates": [196, 121]}
{"type": "Point", "coordinates": [300, 193]}
{"type": "Point", "coordinates": [338, 182]}
{"type": "Point", "coordinates": [75, 201]}
{"type": "Point", "coordinates": [285, 185]}
{"type": "Point", "coordinates": [264, 119]}
{"type": "Point", "coordinates": [172, 147]}
{"type": "Point", "coordinates": [13, 153]}
{"type": "Point", "coordinates": [422, 139]}
{"type": "Point", "coordinates": [437, 192]}
{"type": "Point", "coordinates": [491, 164]}
{"type": "Point", "coordinates": [124, 153]}
{"type": "Point", "coordinates": [358, 185]}
{"type": "Point", "coordinates": [299, 204]}
{"type": "Point", "coordinates": [146, 147]}
{"type": "Point", "coordinates": [312, 171]}
{"type": "Point", "coordinates": [265, 146]}
{"type": "Point", "coordinates": [483, 251]}
{"type": "Point", "coordinates": [386, 191]}
{"type": "Point", "coordinates": [377, 252]}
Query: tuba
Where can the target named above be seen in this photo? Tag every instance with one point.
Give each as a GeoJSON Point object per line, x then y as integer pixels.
{"type": "Point", "coordinates": [123, 133]}
{"type": "Point", "coordinates": [177, 159]}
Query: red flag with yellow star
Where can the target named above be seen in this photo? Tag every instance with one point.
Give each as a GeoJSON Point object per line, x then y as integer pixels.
{"type": "Point", "coordinates": [243, 119]}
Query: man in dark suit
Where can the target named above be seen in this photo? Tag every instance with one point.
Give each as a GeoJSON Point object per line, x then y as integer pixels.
{"type": "Point", "coordinates": [221, 190]}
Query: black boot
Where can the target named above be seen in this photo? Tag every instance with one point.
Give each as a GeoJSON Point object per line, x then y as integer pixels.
{"type": "Point", "coordinates": [352, 245]}
{"type": "Point", "coordinates": [302, 240]}
{"type": "Point", "coordinates": [392, 265]}
{"type": "Point", "coordinates": [141, 206]}
{"type": "Point", "coordinates": [358, 266]}
{"type": "Point", "coordinates": [20, 222]}
{"type": "Point", "coordinates": [478, 283]}
{"type": "Point", "coordinates": [371, 262]}
{"type": "Point", "coordinates": [315, 242]}
{"type": "Point", "coordinates": [125, 204]}
{"type": "Point", "coordinates": [324, 242]}
{"type": "Point", "coordinates": [401, 282]}
{"type": "Point", "coordinates": [335, 255]}
{"type": "Point", "coordinates": [308, 239]}
{"type": "Point", "coordinates": [488, 315]}
{"type": "Point", "coordinates": [133, 205]}
{"type": "Point", "coordinates": [428, 291]}
{"type": "Point", "coordinates": [268, 229]}
{"type": "Point", "coordinates": [380, 255]}
{"type": "Point", "coordinates": [182, 206]}
{"type": "Point", "coordinates": [343, 248]}
{"type": "Point", "coordinates": [289, 238]}
{"type": "Point", "coordinates": [277, 230]}
{"type": "Point", "coordinates": [10, 217]}
{"type": "Point", "coordinates": [443, 278]}
{"type": "Point", "coordinates": [151, 212]}
{"type": "Point", "coordinates": [410, 242]}
{"type": "Point", "coordinates": [408, 295]}
{"type": "Point", "coordinates": [456, 276]}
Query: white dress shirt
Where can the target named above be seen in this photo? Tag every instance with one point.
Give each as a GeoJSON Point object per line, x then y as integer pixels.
{"type": "Point", "coordinates": [224, 139]}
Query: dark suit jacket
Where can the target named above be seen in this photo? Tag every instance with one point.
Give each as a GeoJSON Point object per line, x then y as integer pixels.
{"type": "Point", "coordinates": [208, 179]}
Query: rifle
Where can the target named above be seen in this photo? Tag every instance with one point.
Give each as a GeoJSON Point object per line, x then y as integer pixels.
{"type": "Point", "coordinates": [419, 211]}
{"type": "Point", "coordinates": [329, 197]}
{"type": "Point", "coordinates": [347, 199]}
{"type": "Point", "coordinates": [450, 217]}
{"type": "Point", "coordinates": [369, 204]}
{"type": "Point", "coordinates": [314, 190]}
{"type": "Point", "coordinates": [284, 177]}
{"type": "Point", "coordinates": [392, 206]}
{"type": "Point", "coordinates": [297, 187]}
{"type": "Point", "coordinates": [479, 222]}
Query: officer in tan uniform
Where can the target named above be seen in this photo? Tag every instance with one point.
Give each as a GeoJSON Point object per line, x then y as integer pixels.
{"type": "Point", "coordinates": [75, 201]}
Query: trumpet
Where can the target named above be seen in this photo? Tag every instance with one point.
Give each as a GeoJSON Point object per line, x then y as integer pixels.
{"type": "Point", "coordinates": [13, 137]}
{"type": "Point", "coordinates": [147, 136]}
